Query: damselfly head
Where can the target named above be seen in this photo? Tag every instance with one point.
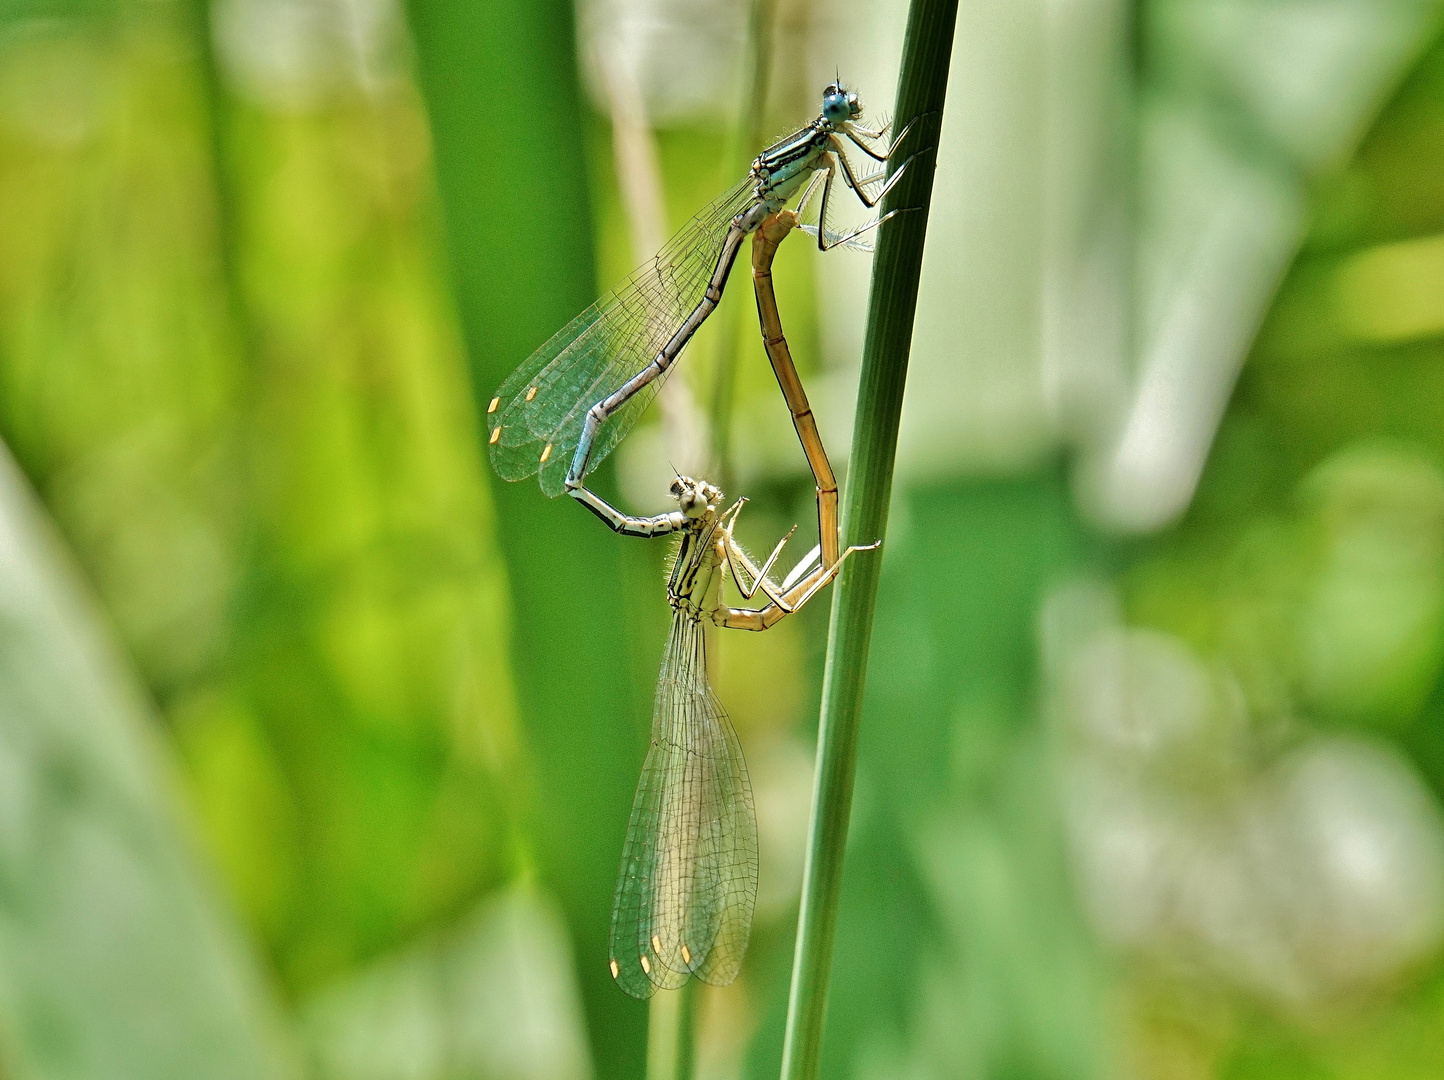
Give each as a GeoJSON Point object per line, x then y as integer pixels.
{"type": "Point", "coordinates": [696, 497]}
{"type": "Point", "coordinates": [839, 104]}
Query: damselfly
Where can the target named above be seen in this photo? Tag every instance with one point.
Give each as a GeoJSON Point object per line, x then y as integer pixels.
{"type": "Point", "coordinates": [688, 881]}
{"type": "Point", "coordinates": [569, 404]}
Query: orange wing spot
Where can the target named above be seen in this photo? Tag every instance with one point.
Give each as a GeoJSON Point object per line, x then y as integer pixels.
{"type": "Point", "coordinates": [494, 403]}
{"type": "Point", "coordinates": [495, 435]}
{"type": "Point", "coordinates": [686, 955]}
{"type": "Point", "coordinates": [616, 970]}
{"type": "Point", "coordinates": [531, 393]}
{"type": "Point", "coordinates": [546, 453]}
{"type": "Point", "coordinates": [646, 967]}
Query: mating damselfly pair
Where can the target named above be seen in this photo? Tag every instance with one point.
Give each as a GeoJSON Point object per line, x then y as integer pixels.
{"type": "Point", "coordinates": [688, 881]}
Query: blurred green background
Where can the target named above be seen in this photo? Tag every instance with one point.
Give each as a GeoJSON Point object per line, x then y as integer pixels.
{"type": "Point", "coordinates": [317, 742]}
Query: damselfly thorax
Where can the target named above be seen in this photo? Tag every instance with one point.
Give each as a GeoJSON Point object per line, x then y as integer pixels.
{"type": "Point", "coordinates": [694, 587]}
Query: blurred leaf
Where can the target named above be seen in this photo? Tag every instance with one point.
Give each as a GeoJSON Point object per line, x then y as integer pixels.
{"type": "Point", "coordinates": [370, 627]}
{"type": "Point", "coordinates": [116, 960]}
{"type": "Point", "coordinates": [495, 998]}
{"type": "Point", "coordinates": [286, 520]}
{"type": "Point", "coordinates": [1308, 73]}
{"type": "Point", "coordinates": [1371, 632]}
{"type": "Point", "coordinates": [1241, 105]}
{"type": "Point", "coordinates": [507, 123]}
{"type": "Point", "coordinates": [1019, 987]}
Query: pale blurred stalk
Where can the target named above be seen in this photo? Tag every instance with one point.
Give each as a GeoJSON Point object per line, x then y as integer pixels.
{"type": "Point", "coordinates": [639, 179]}
{"type": "Point", "coordinates": [671, 1033]}
{"type": "Point", "coordinates": [927, 49]}
{"type": "Point", "coordinates": [755, 89]}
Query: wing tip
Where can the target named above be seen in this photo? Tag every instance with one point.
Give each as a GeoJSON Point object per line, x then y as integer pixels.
{"type": "Point", "coordinates": [628, 981]}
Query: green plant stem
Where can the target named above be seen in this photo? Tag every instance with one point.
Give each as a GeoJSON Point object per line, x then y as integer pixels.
{"type": "Point", "coordinates": [927, 49]}
{"type": "Point", "coordinates": [500, 83]}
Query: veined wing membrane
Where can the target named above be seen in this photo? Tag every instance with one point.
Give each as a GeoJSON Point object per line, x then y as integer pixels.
{"type": "Point", "coordinates": [688, 882]}
{"type": "Point", "coordinates": [724, 881]}
{"type": "Point", "coordinates": [535, 419]}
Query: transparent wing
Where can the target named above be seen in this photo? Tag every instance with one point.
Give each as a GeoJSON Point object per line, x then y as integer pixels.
{"type": "Point", "coordinates": [535, 418]}
{"type": "Point", "coordinates": [688, 881]}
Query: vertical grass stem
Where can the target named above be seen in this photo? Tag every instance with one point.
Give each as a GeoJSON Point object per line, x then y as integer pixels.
{"type": "Point", "coordinates": [927, 48]}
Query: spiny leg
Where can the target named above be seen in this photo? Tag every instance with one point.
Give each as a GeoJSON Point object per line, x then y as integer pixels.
{"type": "Point", "coordinates": [852, 132]}
{"type": "Point", "coordinates": [868, 133]}
{"type": "Point", "coordinates": [793, 600]}
{"type": "Point", "coordinates": [744, 570]}
{"type": "Point", "coordinates": [847, 239]}
{"type": "Point", "coordinates": [799, 594]}
{"type": "Point", "coordinates": [868, 180]}
{"type": "Point", "coordinates": [829, 170]}
{"type": "Point", "coordinates": [749, 577]}
{"type": "Point", "coordinates": [827, 241]}
{"type": "Point", "coordinates": [857, 185]}
{"type": "Point", "coordinates": [765, 240]}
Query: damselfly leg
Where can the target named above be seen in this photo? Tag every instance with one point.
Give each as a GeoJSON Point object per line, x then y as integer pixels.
{"type": "Point", "coordinates": [786, 599]}
{"type": "Point", "coordinates": [826, 240]}
{"type": "Point", "coordinates": [861, 136]}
